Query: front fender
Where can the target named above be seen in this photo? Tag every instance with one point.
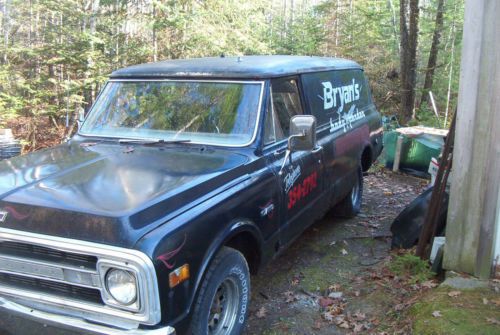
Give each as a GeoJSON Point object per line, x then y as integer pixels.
{"type": "Point", "coordinates": [195, 236]}
{"type": "Point", "coordinates": [235, 228]}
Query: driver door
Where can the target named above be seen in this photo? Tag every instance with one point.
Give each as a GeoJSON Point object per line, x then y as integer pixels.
{"type": "Point", "coordinates": [300, 177]}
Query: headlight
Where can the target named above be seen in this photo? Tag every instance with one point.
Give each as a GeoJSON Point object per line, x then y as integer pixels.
{"type": "Point", "coordinates": [122, 286]}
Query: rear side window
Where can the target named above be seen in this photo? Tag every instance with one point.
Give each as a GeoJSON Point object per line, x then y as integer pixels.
{"type": "Point", "coordinates": [337, 98]}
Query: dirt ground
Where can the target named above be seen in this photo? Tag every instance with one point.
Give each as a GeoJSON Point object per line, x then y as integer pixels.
{"type": "Point", "coordinates": [331, 281]}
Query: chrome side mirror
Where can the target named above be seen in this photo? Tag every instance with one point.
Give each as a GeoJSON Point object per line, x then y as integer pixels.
{"type": "Point", "coordinates": [302, 133]}
{"type": "Point", "coordinates": [302, 136]}
{"type": "Point", "coordinates": [81, 117]}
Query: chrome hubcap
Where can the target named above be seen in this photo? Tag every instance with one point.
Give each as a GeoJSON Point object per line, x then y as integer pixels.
{"type": "Point", "coordinates": [224, 308]}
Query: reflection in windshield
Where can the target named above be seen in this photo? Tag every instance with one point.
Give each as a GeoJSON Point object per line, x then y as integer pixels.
{"type": "Point", "coordinates": [207, 112]}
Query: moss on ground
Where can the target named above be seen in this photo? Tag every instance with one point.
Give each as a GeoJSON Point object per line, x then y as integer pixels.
{"type": "Point", "coordinates": [330, 269]}
{"type": "Point", "coordinates": [464, 314]}
{"type": "Point", "coordinates": [411, 266]}
{"type": "Point", "coordinates": [282, 326]}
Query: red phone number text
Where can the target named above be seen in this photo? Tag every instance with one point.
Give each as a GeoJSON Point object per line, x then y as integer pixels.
{"type": "Point", "coordinates": [303, 189]}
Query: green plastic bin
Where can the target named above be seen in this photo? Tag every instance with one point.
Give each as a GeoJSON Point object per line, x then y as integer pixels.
{"type": "Point", "coordinates": [416, 152]}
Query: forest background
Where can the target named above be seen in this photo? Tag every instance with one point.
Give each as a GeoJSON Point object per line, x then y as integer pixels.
{"type": "Point", "coordinates": [55, 55]}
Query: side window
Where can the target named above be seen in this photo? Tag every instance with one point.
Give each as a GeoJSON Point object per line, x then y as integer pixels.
{"type": "Point", "coordinates": [286, 103]}
{"type": "Point", "coordinates": [272, 130]}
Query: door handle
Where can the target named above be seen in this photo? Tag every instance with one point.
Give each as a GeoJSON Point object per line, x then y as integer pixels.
{"type": "Point", "coordinates": [317, 149]}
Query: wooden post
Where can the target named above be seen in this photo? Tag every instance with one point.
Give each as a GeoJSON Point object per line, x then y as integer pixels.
{"type": "Point", "coordinates": [397, 153]}
{"type": "Point", "coordinates": [429, 229]}
{"type": "Point", "coordinates": [472, 216]}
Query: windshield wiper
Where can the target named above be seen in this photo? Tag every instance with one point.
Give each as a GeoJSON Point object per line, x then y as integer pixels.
{"type": "Point", "coordinates": [151, 142]}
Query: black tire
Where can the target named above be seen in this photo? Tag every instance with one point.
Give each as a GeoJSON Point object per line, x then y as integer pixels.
{"type": "Point", "coordinates": [222, 303]}
{"type": "Point", "coordinates": [351, 204]}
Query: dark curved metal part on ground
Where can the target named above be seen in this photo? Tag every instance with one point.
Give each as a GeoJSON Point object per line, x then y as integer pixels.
{"type": "Point", "coordinates": [407, 226]}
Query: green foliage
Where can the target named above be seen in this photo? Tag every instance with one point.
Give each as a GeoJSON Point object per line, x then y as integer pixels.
{"type": "Point", "coordinates": [412, 267]}
{"type": "Point", "coordinates": [448, 55]}
{"type": "Point", "coordinates": [425, 117]}
{"type": "Point", "coordinates": [303, 35]}
{"type": "Point", "coordinates": [55, 55]}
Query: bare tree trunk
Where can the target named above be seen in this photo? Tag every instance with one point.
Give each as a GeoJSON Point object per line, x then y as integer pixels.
{"type": "Point", "coordinates": [337, 26]}
{"type": "Point", "coordinates": [351, 12]}
{"type": "Point", "coordinates": [117, 32]}
{"type": "Point", "coordinates": [431, 65]}
{"type": "Point", "coordinates": [271, 19]}
{"type": "Point", "coordinates": [450, 76]}
{"type": "Point", "coordinates": [6, 28]}
{"type": "Point", "coordinates": [409, 14]}
{"type": "Point", "coordinates": [30, 36]}
{"type": "Point", "coordinates": [394, 26]}
{"type": "Point", "coordinates": [284, 21]}
{"type": "Point", "coordinates": [89, 92]}
{"type": "Point", "coordinates": [155, 38]}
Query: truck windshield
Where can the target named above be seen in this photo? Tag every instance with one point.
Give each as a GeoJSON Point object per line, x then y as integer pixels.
{"type": "Point", "coordinates": [220, 113]}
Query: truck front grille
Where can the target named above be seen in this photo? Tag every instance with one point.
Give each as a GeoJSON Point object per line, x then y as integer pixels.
{"type": "Point", "coordinates": [67, 276]}
{"type": "Point", "coordinates": [50, 271]}
{"type": "Point", "coordinates": [50, 287]}
{"type": "Point", "coordinates": [47, 254]}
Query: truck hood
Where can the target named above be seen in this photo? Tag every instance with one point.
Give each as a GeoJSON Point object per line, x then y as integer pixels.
{"type": "Point", "coordinates": [109, 193]}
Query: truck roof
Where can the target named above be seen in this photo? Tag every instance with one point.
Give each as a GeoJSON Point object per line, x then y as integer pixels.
{"type": "Point", "coordinates": [245, 67]}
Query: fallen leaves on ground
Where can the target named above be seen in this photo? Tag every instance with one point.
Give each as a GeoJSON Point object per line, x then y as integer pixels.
{"type": "Point", "coordinates": [334, 311]}
{"type": "Point", "coordinates": [355, 322]}
{"type": "Point", "coordinates": [289, 297]}
{"type": "Point", "coordinates": [335, 295]}
{"type": "Point", "coordinates": [493, 321]}
{"type": "Point", "coordinates": [325, 302]}
{"type": "Point", "coordinates": [359, 316]}
{"type": "Point", "coordinates": [399, 307]}
{"type": "Point", "coordinates": [334, 288]}
{"type": "Point", "coordinates": [261, 313]}
{"type": "Point", "coordinates": [454, 294]}
{"type": "Point", "coordinates": [336, 308]}
{"type": "Point", "coordinates": [317, 325]}
{"type": "Point", "coordinates": [496, 301]}
{"type": "Point", "coordinates": [429, 284]}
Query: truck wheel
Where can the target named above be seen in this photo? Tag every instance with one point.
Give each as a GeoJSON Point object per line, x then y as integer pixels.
{"type": "Point", "coordinates": [351, 204]}
{"type": "Point", "coordinates": [222, 303]}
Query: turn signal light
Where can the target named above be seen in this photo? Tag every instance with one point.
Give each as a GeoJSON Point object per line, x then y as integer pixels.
{"type": "Point", "coordinates": [178, 275]}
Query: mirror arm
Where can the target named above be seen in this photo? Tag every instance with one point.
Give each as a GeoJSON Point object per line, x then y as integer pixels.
{"type": "Point", "coordinates": [288, 154]}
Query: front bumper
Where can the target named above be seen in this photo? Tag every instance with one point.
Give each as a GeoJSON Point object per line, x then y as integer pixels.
{"type": "Point", "coordinates": [71, 323]}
